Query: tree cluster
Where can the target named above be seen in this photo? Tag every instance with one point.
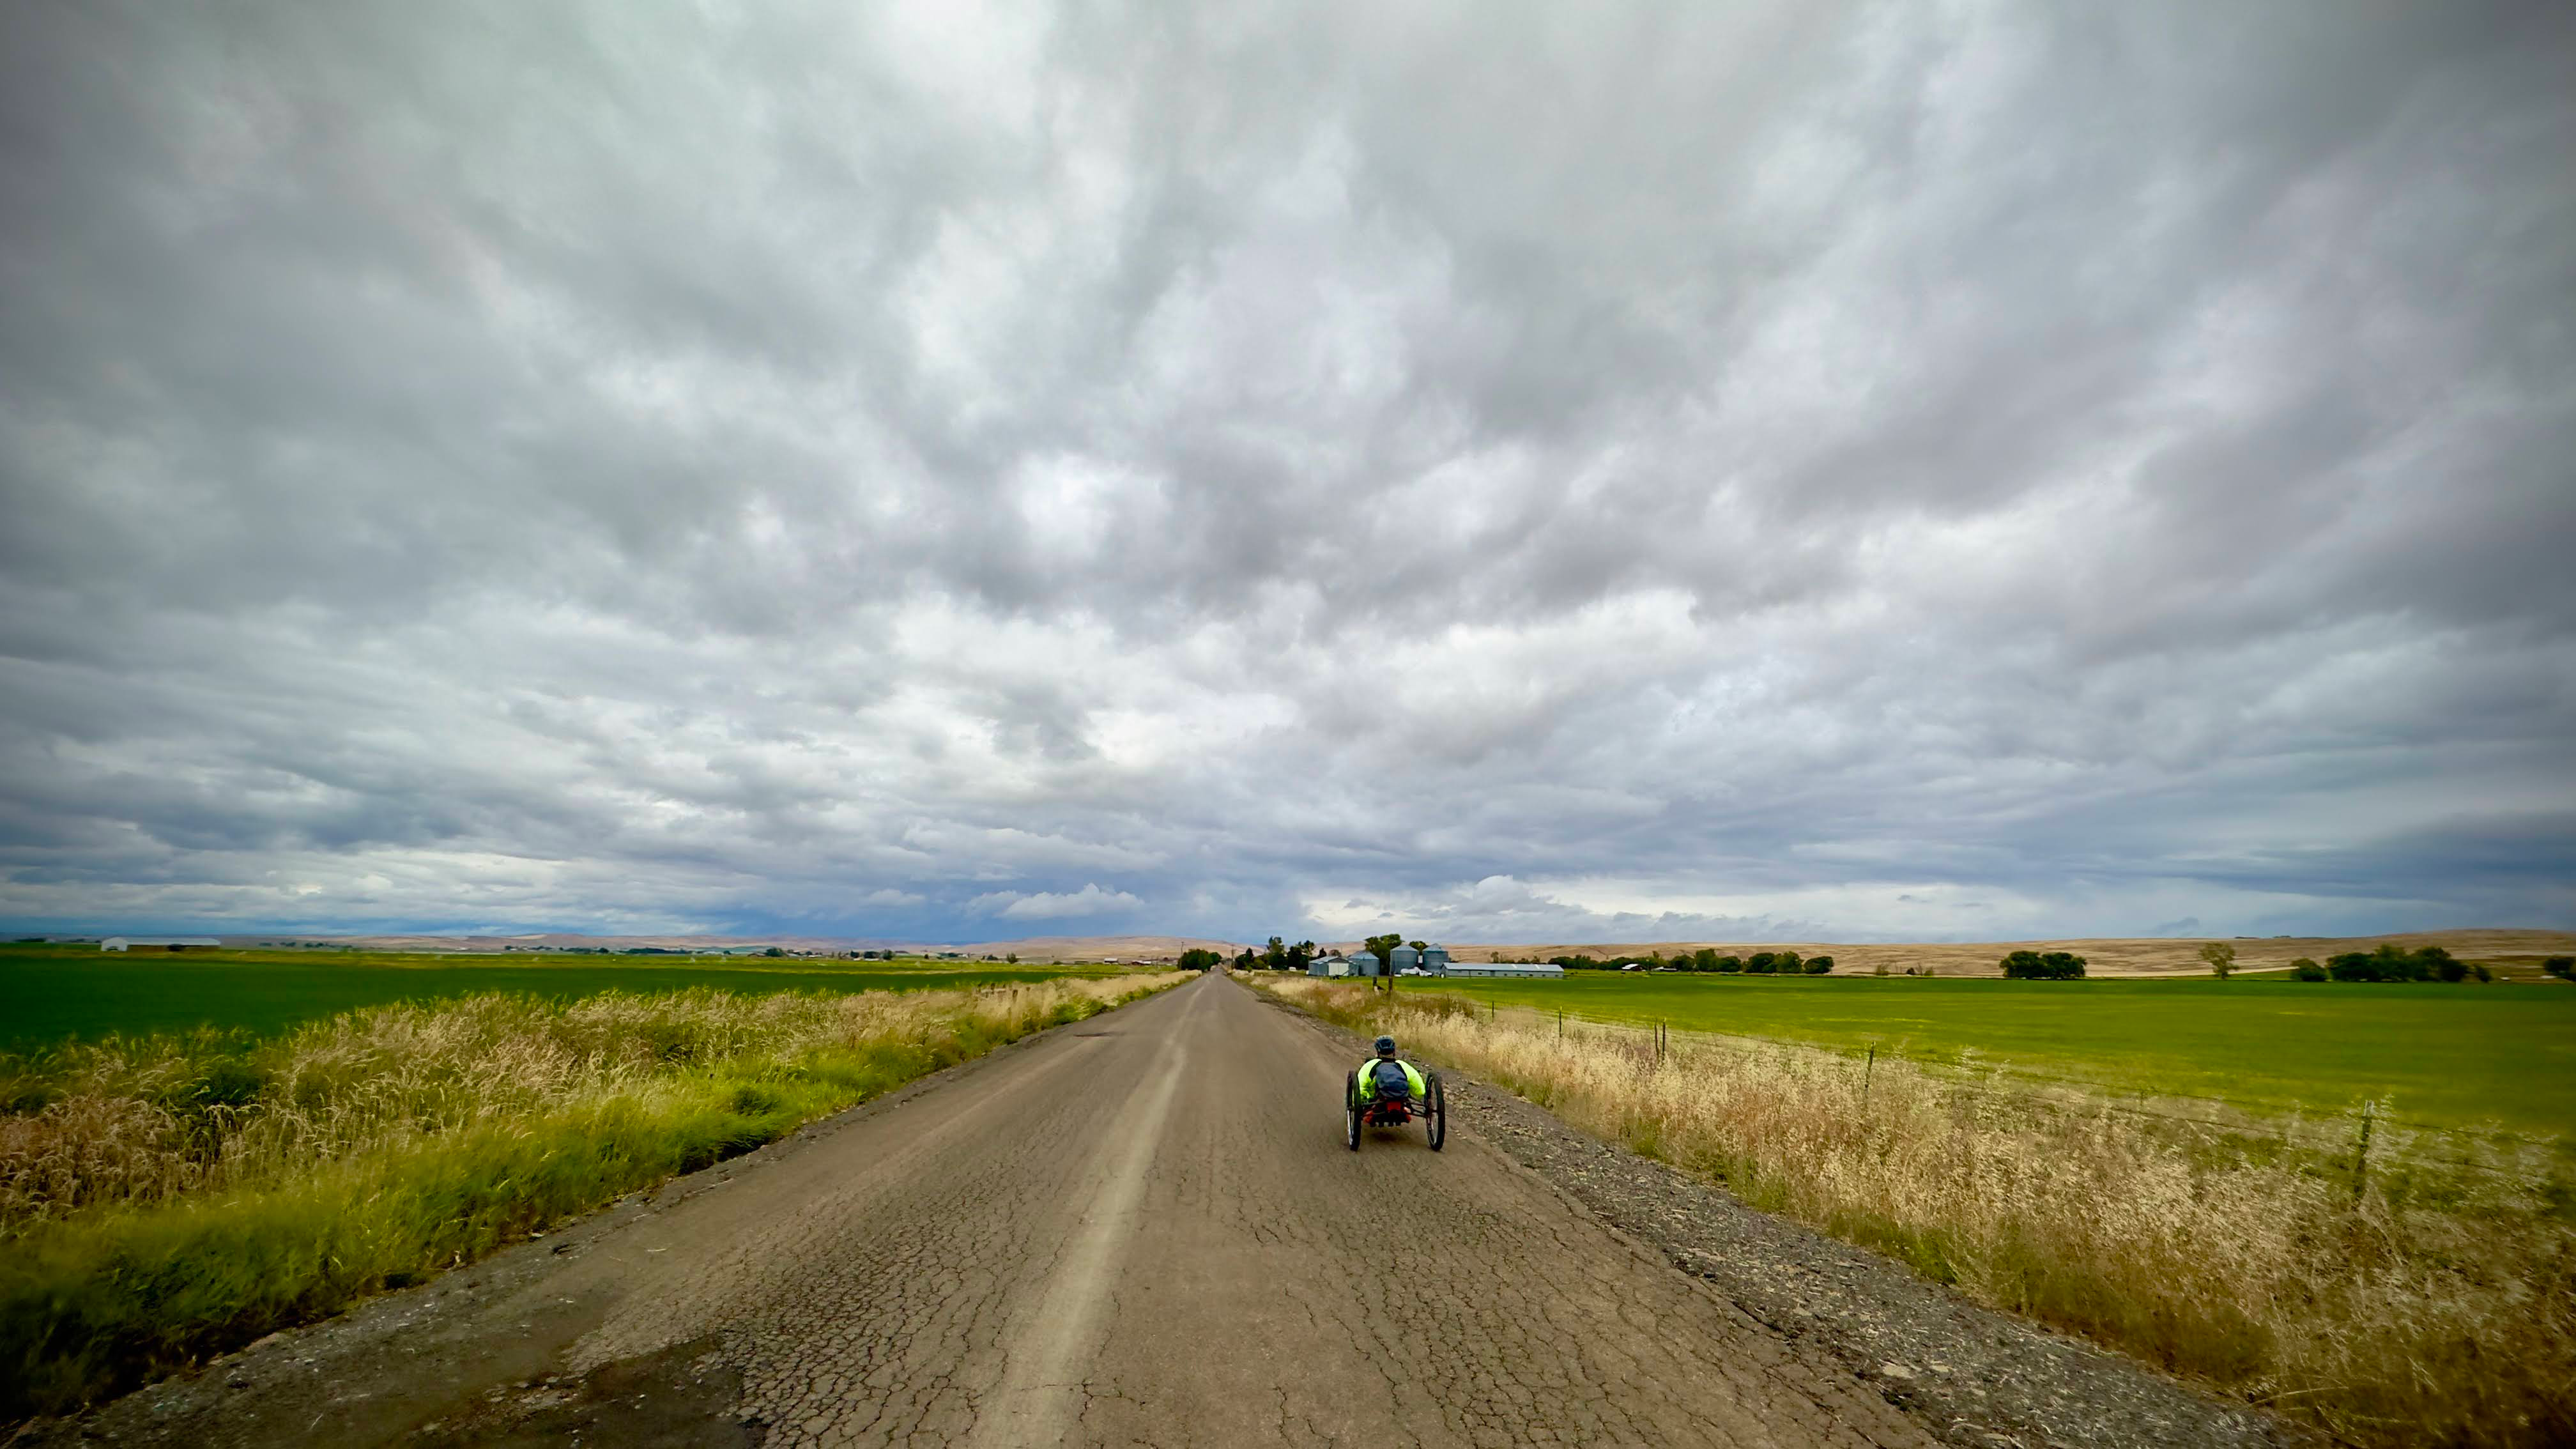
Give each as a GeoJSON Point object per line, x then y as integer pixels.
{"type": "Point", "coordinates": [1706, 959]}
{"type": "Point", "coordinates": [2562, 967]}
{"type": "Point", "coordinates": [2044, 966]}
{"type": "Point", "coordinates": [1200, 958]}
{"type": "Point", "coordinates": [1280, 956]}
{"type": "Point", "coordinates": [2396, 963]}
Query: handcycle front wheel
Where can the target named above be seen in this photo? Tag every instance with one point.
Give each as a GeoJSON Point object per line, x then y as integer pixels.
{"type": "Point", "coordinates": [1435, 1113]}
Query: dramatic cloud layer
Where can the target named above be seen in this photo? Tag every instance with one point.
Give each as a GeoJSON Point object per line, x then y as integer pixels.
{"type": "Point", "coordinates": [1514, 472]}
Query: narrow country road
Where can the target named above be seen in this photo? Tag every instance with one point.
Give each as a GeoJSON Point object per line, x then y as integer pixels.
{"type": "Point", "coordinates": [1143, 1229]}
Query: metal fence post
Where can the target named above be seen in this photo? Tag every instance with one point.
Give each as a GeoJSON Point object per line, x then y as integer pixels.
{"type": "Point", "coordinates": [1868, 1070]}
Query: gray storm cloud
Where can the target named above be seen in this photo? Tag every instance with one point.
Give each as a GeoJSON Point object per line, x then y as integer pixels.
{"type": "Point", "coordinates": [1535, 473]}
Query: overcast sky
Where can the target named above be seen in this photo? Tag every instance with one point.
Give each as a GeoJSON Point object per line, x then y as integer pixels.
{"type": "Point", "coordinates": [1547, 472]}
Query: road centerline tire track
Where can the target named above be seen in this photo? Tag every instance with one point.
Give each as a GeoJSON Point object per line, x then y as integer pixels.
{"type": "Point", "coordinates": [1040, 1393]}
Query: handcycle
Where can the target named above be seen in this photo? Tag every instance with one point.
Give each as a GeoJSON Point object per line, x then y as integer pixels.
{"type": "Point", "coordinates": [1361, 1113]}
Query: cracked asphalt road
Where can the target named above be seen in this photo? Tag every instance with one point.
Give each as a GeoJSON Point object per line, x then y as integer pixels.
{"type": "Point", "coordinates": [1142, 1229]}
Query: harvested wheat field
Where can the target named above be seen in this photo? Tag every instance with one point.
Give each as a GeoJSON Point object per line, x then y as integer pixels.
{"type": "Point", "coordinates": [2512, 952]}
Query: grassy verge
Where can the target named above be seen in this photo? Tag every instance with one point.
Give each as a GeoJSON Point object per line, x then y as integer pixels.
{"type": "Point", "coordinates": [167, 1198]}
{"type": "Point", "coordinates": [2417, 1302]}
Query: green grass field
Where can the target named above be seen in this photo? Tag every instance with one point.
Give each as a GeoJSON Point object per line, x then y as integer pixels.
{"type": "Point", "coordinates": [2438, 1055]}
{"type": "Point", "coordinates": [52, 993]}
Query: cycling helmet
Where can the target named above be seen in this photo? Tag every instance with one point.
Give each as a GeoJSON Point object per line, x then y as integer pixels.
{"type": "Point", "coordinates": [1386, 1046]}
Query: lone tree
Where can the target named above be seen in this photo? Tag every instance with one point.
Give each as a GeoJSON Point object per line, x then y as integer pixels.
{"type": "Point", "coordinates": [2221, 958]}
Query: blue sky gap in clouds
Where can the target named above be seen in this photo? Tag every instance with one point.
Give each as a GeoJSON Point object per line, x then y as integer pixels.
{"type": "Point", "coordinates": [1505, 472]}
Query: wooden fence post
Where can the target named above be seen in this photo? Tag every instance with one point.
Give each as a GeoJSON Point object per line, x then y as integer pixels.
{"type": "Point", "coordinates": [1868, 1070]}
{"type": "Point", "coordinates": [2361, 1156]}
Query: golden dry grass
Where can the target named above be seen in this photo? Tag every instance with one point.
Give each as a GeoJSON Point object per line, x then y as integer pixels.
{"type": "Point", "coordinates": [2433, 1304]}
{"type": "Point", "coordinates": [139, 1121]}
{"type": "Point", "coordinates": [164, 1198]}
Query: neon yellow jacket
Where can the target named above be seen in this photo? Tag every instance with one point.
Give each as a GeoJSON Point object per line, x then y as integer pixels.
{"type": "Point", "coordinates": [1368, 1079]}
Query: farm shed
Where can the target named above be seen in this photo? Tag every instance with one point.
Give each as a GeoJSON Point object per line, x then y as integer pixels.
{"type": "Point", "coordinates": [1516, 970]}
{"type": "Point", "coordinates": [159, 943]}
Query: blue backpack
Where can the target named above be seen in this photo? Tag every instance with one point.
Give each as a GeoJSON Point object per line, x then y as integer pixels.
{"type": "Point", "coordinates": [1391, 1082]}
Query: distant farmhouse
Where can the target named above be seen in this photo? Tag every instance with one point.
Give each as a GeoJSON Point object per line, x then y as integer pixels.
{"type": "Point", "coordinates": [159, 943]}
{"type": "Point", "coordinates": [1432, 960]}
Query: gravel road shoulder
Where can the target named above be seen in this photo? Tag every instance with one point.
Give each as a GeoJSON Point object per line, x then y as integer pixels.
{"type": "Point", "coordinates": [1968, 1375]}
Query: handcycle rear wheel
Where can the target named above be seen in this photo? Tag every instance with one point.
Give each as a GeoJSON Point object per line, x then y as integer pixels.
{"type": "Point", "coordinates": [1351, 1114]}
{"type": "Point", "coordinates": [1435, 1113]}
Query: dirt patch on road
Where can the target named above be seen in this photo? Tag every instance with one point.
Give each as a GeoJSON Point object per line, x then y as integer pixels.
{"type": "Point", "coordinates": [1968, 1375]}
{"type": "Point", "coordinates": [680, 1398]}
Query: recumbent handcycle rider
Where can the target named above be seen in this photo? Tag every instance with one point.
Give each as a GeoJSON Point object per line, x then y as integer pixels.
{"type": "Point", "coordinates": [1388, 1091]}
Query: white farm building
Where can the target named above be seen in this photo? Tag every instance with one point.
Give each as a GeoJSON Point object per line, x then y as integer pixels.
{"type": "Point", "coordinates": [1435, 960]}
{"type": "Point", "coordinates": [1532, 971]}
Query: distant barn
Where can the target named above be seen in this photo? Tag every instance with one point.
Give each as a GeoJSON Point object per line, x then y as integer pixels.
{"type": "Point", "coordinates": [1519, 970]}
{"type": "Point", "coordinates": [1436, 960]}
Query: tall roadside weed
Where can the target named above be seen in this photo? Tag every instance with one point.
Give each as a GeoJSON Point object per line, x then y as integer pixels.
{"type": "Point", "coordinates": [2417, 1298]}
